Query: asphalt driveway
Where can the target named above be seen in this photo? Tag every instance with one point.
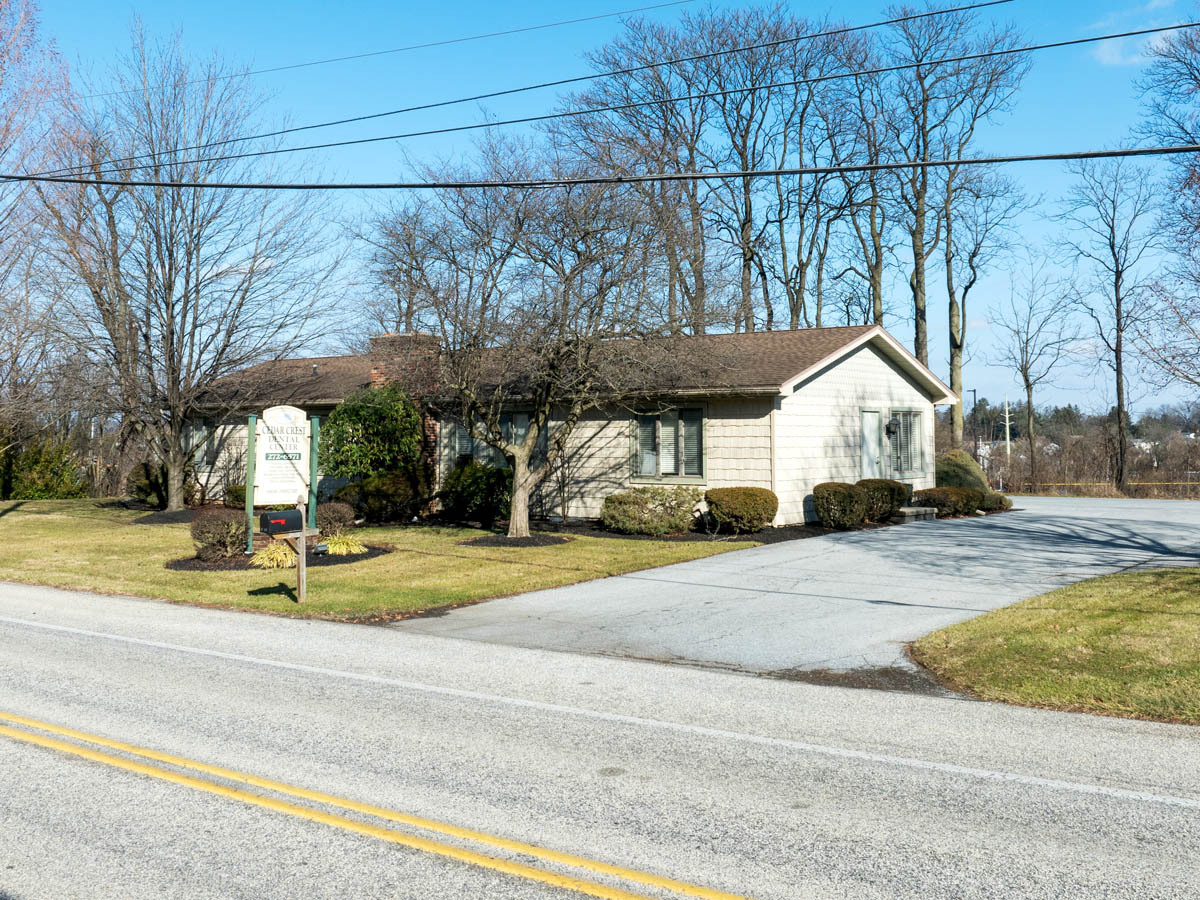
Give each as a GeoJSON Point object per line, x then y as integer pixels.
{"type": "Point", "coordinates": [842, 602]}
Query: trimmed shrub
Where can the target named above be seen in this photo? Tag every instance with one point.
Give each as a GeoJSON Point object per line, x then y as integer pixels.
{"type": "Point", "coordinates": [742, 509]}
{"type": "Point", "coordinates": [994, 502]}
{"type": "Point", "coordinates": [219, 533]}
{"type": "Point", "coordinates": [334, 518]}
{"type": "Point", "coordinates": [234, 496]}
{"type": "Point", "coordinates": [650, 510]}
{"type": "Point", "coordinates": [884, 497]}
{"type": "Point", "coordinates": [950, 501]}
{"type": "Point", "coordinates": [957, 468]}
{"type": "Point", "coordinates": [386, 497]}
{"type": "Point", "coordinates": [473, 492]}
{"type": "Point", "coordinates": [940, 499]}
{"type": "Point", "coordinates": [840, 505]}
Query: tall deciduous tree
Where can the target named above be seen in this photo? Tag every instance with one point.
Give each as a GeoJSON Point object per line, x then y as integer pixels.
{"type": "Point", "coordinates": [1037, 333]}
{"type": "Point", "coordinates": [1109, 218]}
{"type": "Point", "coordinates": [977, 210]}
{"type": "Point", "coordinates": [941, 104]}
{"type": "Point", "coordinates": [172, 288]}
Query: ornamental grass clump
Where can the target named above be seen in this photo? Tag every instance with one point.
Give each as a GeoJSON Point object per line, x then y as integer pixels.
{"type": "Point", "coordinates": [276, 555]}
{"type": "Point", "coordinates": [741, 509]}
{"type": "Point", "coordinates": [344, 545]}
{"type": "Point", "coordinates": [840, 505]}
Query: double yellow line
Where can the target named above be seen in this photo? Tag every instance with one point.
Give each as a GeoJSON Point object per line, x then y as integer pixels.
{"type": "Point", "coordinates": [462, 854]}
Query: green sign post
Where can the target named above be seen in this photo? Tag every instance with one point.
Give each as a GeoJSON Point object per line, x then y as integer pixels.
{"type": "Point", "coordinates": [314, 445]}
{"type": "Point", "coordinates": [251, 434]}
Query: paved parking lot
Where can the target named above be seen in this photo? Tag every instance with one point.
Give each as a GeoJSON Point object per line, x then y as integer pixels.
{"type": "Point", "coordinates": [841, 602]}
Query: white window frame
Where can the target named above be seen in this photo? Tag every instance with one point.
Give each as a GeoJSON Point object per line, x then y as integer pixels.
{"type": "Point", "coordinates": [678, 476]}
{"type": "Point", "coordinates": [917, 439]}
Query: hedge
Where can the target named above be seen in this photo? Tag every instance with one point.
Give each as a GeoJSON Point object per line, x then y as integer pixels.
{"type": "Point", "coordinates": [950, 501]}
{"type": "Point", "coordinates": [742, 509]}
{"type": "Point", "coordinates": [840, 505]}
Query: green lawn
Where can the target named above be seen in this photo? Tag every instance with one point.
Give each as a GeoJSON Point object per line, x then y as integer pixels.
{"type": "Point", "coordinates": [90, 545]}
{"type": "Point", "coordinates": [1122, 645]}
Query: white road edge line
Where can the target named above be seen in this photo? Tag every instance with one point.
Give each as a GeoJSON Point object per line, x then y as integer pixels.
{"type": "Point", "coordinates": [680, 727]}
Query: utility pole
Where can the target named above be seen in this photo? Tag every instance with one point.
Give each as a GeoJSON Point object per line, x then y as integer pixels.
{"type": "Point", "coordinates": [975, 421]}
{"type": "Point", "coordinates": [1007, 432]}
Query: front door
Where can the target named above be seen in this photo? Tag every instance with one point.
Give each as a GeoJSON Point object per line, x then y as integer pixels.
{"type": "Point", "coordinates": [872, 444]}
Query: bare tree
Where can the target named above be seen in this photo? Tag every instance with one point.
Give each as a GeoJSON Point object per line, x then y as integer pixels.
{"type": "Point", "coordinates": [1167, 332]}
{"type": "Point", "coordinates": [1038, 334]}
{"type": "Point", "coordinates": [172, 288]}
{"type": "Point", "coordinates": [940, 107]}
{"type": "Point", "coordinates": [977, 210]}
{"type": "Point", "coordinates": [1108, 215]}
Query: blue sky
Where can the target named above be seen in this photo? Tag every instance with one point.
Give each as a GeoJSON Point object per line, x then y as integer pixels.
{"type": "Point", "coordinates": [1078, 98]}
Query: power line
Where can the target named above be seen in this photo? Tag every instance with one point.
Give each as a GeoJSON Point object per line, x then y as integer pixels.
{"type": "Point", "coordinates": [428, 44]}
{"type": "Point", "coordinates": [111, 168]}
{"type": "Point", "coordinates": [620, 179]}
{"type": "Point", "coordinates": [533, 87]}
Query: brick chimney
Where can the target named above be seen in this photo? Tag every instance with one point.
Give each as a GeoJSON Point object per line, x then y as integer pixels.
{"type": "Point", "coordinates": [408, 360]}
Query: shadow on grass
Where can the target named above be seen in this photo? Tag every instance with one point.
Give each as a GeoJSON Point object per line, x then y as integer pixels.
{"type": "Point", "coordinates": [278, 590]}
{"type": "Point", "coordinates": [3, 513]}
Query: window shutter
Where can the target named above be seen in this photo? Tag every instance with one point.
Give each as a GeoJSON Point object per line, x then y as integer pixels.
{"type": "Point", "coordinates": [692, 423]}
{"type": "Point", "coordinates": [906, 440]}
{"type": "Point", "coordinates": [668, 443]}
{"type": "Point", "coordinates": [464, 444]}
{"type": "Point", "coordinates": [647, 446]}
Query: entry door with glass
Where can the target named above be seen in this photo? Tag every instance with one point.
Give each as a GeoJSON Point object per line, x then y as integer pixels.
{"type": "Point", "coordinates": [872, 444]}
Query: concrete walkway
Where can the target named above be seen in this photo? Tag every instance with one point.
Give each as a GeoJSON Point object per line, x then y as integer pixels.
{"type": "Point", "coordinates": [842, 602]}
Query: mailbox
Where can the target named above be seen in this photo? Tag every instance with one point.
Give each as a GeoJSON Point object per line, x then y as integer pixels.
{"type": "Point", "coordinates": [284, 521]}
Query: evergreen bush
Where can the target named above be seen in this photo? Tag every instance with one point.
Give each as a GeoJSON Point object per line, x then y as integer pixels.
{"type": "Point", "coordinates": [650, 510]}
{"type": "Point", "coordinates": [840, 505]}
{"type": "Point", "coordinates": [742, 509]}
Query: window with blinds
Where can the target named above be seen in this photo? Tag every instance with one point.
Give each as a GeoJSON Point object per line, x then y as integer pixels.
{"type": "Point", "coordinates": [906, 443]}
{"type": "Point", "coordinates": [670, 444]}
{"type": "Point", "coordinates": [514, 426]}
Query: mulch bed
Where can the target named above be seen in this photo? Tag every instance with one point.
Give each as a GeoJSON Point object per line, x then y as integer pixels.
{"type": "Point", "coordinates": [242, 562]}
{"type": "Point", "coordinates": [766, 536]}
{"type": "Point", "coordinates": [503, 540]}
{"type": "Point", "coordinates": [167, 517]}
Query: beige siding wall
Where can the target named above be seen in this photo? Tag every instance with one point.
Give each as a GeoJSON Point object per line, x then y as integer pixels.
{"type": "Point", "coordinates": [737, 451]}
{"type": "Point", "coordinates": [818, 429]}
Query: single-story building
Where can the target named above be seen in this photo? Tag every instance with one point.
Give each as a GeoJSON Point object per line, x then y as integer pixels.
{"type": "Point", "coordinates": [789, 410]}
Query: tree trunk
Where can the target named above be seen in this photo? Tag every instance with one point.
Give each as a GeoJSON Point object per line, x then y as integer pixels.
{"type": "Point", "coordinates": [176, 463]}
{"type": "Point", "coordinates": [1121, 479]}
{"type": "Point", "coordinates": [518, 518]}
{"type": "Point", "coordinates": [1033, 473]}
{"type": "Point", "coordinates": [917, 283]}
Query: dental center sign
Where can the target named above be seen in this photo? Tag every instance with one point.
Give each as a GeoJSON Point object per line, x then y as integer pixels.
{"type": "Point", "coordinates": [281, 457]}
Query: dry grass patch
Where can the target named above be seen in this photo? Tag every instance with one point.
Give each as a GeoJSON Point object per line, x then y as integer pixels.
{"type": "Point", "coordinates": [1123, 645]}
{"type": "Point", "coordinates": [97, 546]}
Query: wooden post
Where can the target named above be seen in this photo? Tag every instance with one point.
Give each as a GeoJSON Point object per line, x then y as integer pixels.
{"type": "Point", "coordinates": [251, 434]}
{"type": "Point", "coordinates": [314, 443]}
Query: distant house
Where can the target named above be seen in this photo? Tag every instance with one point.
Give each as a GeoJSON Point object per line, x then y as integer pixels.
{"type": "Point", "coordinates": [789, 410]}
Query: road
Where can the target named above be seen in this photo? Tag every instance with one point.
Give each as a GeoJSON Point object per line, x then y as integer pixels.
{"type": "Point", "coordinates": [735, 785]}
{"type": "Point", "coordinates": [843, 602]}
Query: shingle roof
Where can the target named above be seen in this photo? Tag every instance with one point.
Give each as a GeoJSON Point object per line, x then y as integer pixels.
{"type": "Point", "coordinates": [293, 381]}
{"type": "Point", "coordinates": [762, 359]}
{"type": "Point", "coordinates": [755, 361]}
